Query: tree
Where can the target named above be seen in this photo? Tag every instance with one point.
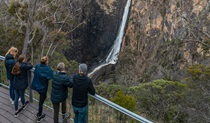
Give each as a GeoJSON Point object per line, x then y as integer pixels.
{"type": "Point", "coordinates": [45, 24]}
{"type": "Point", "coordinates": [161, 100]}
{"type": "Point", "coordinates": [198, 105]}
{"type": "Point", "coordinates": [126, 101]}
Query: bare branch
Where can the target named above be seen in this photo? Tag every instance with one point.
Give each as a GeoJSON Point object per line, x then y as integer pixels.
{"type": "Point", "coordinates": [34, 33]}
{"type": "Point", "coordinates": [24, 23]}
{"type": "Point", "coordinates": [19, 29]}
{"type": "Point", "coordinates": [186, 40]}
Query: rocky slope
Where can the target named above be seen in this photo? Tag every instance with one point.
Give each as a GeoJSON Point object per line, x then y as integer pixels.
{"type": "Point", "coordinates": [92, 42]}
{"type": "Point", "coordinates": [163, 38]}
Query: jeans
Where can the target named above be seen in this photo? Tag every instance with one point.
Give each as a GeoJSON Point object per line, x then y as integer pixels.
{"type": "Point", "coordinates": [80, 114]}
{"type": "Point", "coordinates": [42, 97]}
{"type": "Point", "coordinates": [11, 90]}
{"type": "Point", "coordinates": [56, 107]}
{"type": "Point", "coordinates": [19, 93]}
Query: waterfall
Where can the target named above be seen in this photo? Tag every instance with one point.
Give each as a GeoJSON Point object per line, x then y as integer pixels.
{"type": "Point", "coordinates": [114, 51]}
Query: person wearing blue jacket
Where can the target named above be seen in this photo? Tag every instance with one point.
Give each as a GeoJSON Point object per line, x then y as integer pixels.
{"type": "Point", "coordinates": [82, 85]}
{"type": "Point", "coordinates": [42, 74]}
{"type": "Point", "coordinates": [20, 82]}
{"type": "Point", "coordinates": [60, 83]}
{"type": "Point", "coordinates": [9, 63]}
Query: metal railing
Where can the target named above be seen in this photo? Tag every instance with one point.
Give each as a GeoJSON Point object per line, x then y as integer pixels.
{"type": "Point", "coordinates": [100, 110]}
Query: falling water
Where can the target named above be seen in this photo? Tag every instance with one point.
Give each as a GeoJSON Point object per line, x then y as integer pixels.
{"type": "Point", "coordinates": [114, 52]}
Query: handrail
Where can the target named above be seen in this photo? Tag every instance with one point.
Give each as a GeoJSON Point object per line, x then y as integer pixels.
{"type": "Point", "coordinates": [2, 58]}
{"type": "Point", "coordinates": [121, 109]}
{"type": "Point", "coordinates": [103, 100]}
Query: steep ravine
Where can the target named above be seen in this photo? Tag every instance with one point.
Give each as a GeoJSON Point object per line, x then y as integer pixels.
{"type": "Point", "coordinates": [162, 39]}
{"type": "Point", "coordinates": [91, 43]}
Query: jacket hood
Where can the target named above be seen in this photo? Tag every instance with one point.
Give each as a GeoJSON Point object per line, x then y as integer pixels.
{"type": "Point", "coordinates": [80, 80]}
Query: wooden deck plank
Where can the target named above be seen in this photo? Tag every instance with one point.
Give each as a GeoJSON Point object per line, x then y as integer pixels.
{"type": "Point", "coordinates": [27, 116]}
{"type": "Point", "coordinates": [4, 120]}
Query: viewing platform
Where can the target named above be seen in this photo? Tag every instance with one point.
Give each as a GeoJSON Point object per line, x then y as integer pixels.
{"type": "Point", "coordinates": [100, 110]}
{"type": "Point", "coordinates": [7, 111]}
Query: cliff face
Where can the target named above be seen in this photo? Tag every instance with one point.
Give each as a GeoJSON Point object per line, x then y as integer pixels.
{"type": "Point", "coordinates": [92, 41]}
{"type": "Point", "coordinates": [162, 38]}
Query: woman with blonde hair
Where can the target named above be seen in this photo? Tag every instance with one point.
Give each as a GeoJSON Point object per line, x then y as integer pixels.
{"type": "Point", "coordinates": [9, 63]}
{"type": "Point", "coordinates": [42, 74]}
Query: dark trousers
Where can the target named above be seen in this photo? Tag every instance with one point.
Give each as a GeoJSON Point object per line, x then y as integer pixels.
{"type": "Point", "coordinates": [19, 93]}
{"type": "Point", "coordinates": [42, 97]}
{"type": "Point", "coordinates": [11, 90]}
{"type": "Point", "coordinates": [56, 107]}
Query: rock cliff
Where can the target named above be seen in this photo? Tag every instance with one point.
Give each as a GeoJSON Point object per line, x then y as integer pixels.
{"type": "Point", "coordinates": [163, 38]}
{"type": "Point", "coordinates": [91, 43]}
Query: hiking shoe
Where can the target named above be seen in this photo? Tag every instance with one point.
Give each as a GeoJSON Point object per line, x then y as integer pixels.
{"type": "Point", "coordinates": [25, 105]}
{"type": "Point", "coordinates": [40, 118]}
{"type": "Point", "coordinates": [65, 117]}
{"type": "Point", "coordinates": [11, 101]}
{"type": "Point", "coordinates": [18, 112]}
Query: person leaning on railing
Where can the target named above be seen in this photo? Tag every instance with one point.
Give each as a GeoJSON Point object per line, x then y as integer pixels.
{"type": "Point", "coordinates": [82, 85]}
{"type": "Point", "coordinates": [42, 74]}
{"type": "Point", "coordinates": [9, 63]}
{"type": "Point", "coordinates": [20, 82]}
{"type": "Point", "coordinates": [60, 83]}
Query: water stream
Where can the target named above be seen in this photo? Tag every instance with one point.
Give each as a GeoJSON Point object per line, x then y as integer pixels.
{"type": "Point", "coordinates": [114, 51]}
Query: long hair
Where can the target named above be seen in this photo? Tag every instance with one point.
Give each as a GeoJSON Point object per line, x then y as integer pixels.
{"type": "Point", "coordinates": [16, 68]}
{"type": "Point", "coordinates": [13, 51]}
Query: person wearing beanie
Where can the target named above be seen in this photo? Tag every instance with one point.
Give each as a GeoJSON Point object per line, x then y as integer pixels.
{"type": "Point", "coordinates": [82, 85]}
{"type": "Point", "coordinates": [60, 83]}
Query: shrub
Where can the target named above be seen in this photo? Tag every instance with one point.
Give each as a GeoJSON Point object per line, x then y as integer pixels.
{"type": "Point", "coordinates": [161, 100]}
{"type": "Point", "coordinates": [126, 101]}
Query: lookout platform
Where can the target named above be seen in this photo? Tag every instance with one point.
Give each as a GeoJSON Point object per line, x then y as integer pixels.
{"type": "Point", "coordinates": [7, 111]}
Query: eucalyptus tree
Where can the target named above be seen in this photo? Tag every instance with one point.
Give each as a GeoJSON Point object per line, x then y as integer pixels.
{"type": "Point", "coordinates": [43, 24]}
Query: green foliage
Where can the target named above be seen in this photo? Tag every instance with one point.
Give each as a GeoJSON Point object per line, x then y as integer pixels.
{"type": "Point", "coordinates": [126, 101]}
{"type": "Point", "coordinates": [108, 91]}
{"type": "Point", "coordinates": [13, 7]}
{"type": "Point", "coordinates": [198, 81]}
{"type": "Point", "coordinates": [161, 100]}
{"type": "Point", "coordinates": [71, 66]}
{"type": "Point", "coordinates": [198, 76]}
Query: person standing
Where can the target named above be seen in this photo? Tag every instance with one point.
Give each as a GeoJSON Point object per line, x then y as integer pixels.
{"type": "Point", "coordinates": [82, 85]}
{"type": "Point", "coordinates": [20, 83]}
{"type": "Point", "coordinates": [60, 83]}
{"type": "Point", "coordinates": [9, 63]}
{"type": "Point", "coordinates": [42, 74]}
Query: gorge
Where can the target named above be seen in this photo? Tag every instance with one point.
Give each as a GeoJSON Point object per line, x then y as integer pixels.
{"type": "Point", "coordinates": [115, 49]}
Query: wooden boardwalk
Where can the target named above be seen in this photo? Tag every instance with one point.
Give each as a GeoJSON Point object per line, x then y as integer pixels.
{"type": "Point", "coordinates": [7, 111]}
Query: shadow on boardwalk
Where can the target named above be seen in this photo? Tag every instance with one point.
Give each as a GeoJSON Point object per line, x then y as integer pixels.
{"type": "Point", "coordinates": [7, 111]}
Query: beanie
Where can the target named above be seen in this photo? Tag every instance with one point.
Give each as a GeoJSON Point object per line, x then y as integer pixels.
{"type": "Point", "coordinates": [83, 68]}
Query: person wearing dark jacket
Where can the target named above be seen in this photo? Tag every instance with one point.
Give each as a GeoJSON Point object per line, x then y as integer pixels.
{"type": "Point", "coordinates": [9, 63]}
{"type": "Point", "coordinates": [82, 85]}
{"type": "Point", "coordinates": [20, 82]}
{"type": "Point", "coordinates": [42, 75]}
{"type": "Point", "coordinates": [60, 83]}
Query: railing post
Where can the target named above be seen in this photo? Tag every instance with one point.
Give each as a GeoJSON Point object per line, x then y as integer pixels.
{"type": "Point", "coordinates": [30, 77]}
